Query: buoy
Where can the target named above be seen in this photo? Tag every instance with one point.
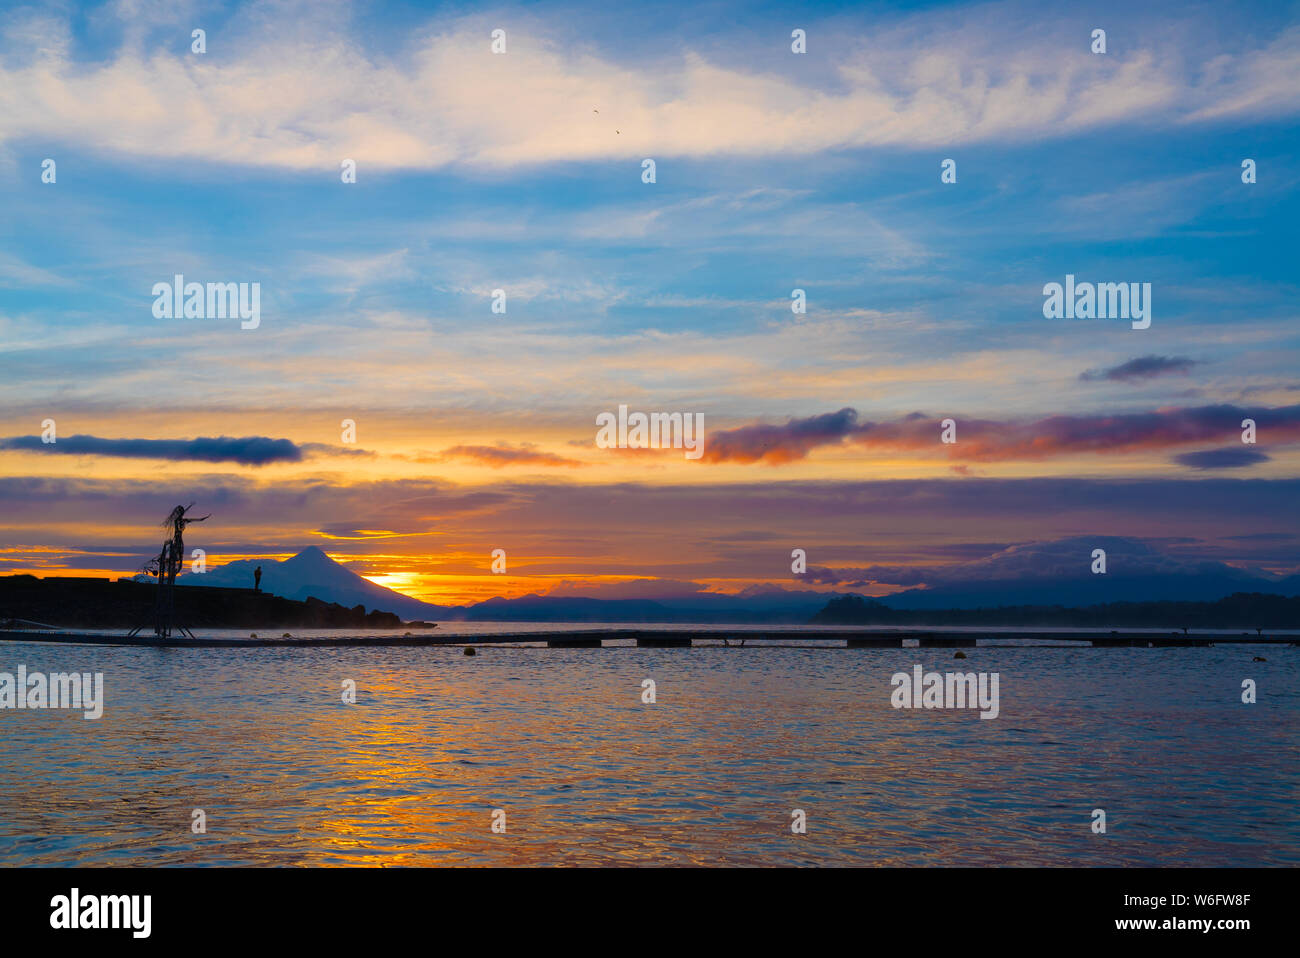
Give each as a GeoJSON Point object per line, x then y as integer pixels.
{"type": "Point", "coordinates": [960, 655]}
{"type": "Point", "coordinates": [469, 651]}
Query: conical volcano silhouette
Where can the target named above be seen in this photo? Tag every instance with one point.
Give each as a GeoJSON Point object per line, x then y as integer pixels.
{"type": "Point", "coordinates": [312, 573]}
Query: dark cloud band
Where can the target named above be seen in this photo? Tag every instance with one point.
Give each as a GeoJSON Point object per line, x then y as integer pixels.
{"type": "Point", "coordinates": [246, 450]}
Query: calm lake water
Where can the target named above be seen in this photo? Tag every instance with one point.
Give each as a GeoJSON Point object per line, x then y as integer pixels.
{"type": "Point", "coordinates": [588, 774]}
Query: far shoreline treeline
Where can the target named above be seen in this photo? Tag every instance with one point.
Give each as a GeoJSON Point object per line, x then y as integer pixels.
{"type": "Point", "coordinates": [79, 602]}
{"type": "Point", "coordinates": [1241, 610]}
{"type": "Point", "coordinates": [87, 603]}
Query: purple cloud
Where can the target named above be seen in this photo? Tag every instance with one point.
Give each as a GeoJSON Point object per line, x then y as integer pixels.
{"type": "Point", "coordinates": [1142, 368]}
{"type": "Point", "coordinates": [1229, 458]}
{"type": "Point", "coordinates": [981, 440]}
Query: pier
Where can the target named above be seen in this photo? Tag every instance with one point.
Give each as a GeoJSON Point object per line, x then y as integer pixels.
{"type": "Point", "coordinates": [662, 638]}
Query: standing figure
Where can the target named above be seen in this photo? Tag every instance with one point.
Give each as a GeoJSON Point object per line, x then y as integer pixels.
{"type": "Point", "coordinates": [257, 579]}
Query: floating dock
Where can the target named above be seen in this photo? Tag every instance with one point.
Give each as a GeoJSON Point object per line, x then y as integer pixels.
{"type": "Point", "coordinates": [662, 638]}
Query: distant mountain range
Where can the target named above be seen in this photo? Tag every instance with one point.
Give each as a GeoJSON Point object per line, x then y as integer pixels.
{"type": "Point", "coordinates": [1093, 590]}
{"type": "Point", "coordinates": [771, 606]}
{"type": "Point", "coordinates": [312, 573]}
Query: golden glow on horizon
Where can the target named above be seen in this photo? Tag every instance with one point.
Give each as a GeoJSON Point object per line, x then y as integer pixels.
{"type": "Point", "coordinates": [407, 448]}
{"type": "Point", "coordinates": [436, 555]}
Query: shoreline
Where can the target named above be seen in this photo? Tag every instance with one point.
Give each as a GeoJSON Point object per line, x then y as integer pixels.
{"type": "Point", "coordinates": [685, 638]}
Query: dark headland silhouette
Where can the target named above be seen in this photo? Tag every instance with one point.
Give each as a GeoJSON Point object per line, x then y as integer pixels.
{"type": "Point", "coordinates": [84, 603]}
{"type": "Point", "coordinates": [140, 602]}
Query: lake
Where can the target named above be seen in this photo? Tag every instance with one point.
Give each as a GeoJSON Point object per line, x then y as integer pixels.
{"type": "Point", "coordinates": [559, 746]}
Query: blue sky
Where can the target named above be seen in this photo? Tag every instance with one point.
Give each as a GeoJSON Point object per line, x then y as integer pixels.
{"type": "Point", "coordinates": [522, 171]}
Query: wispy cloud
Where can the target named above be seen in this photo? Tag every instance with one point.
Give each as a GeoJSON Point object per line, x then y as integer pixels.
{"type": "Point", "coordinates": [15, 273]}
{"type": "Point", "coordinates": [447, 100]}
{"type": "Point", "coordinates": [504, 454]}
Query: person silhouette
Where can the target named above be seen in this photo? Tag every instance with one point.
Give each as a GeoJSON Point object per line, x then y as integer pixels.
{"type": "Point", "coordinates": [257, 579]}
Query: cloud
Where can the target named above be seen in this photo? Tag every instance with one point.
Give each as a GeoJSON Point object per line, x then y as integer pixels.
{"type": "Point", "coordinates": [17, 274]}
{"type": "Point", "coordinates": [1142, 368]}
{"type": "Point", "coordinates": [247, 450]}
{"type": "Point", "coordinates": [1229, 458]}
{"type": "Point", "coordinates": [445, 99]}
{"type": "Point", "coordinates": [363, 535]}
{"type": "Point", "coordinates": [647, 588]}
{"type": "Point", "coordinates": [504, 454]}
{"type": "Point", "coordinates": [992, 441]}
{"type": "Point", "coordinates": [780, 444]}
{"type": "Point", "coordinates": [1126, 432]}
{"type": "Point", "coordinates": [349, 274]}
{"type": "Point", "coordinates": [328, 449]}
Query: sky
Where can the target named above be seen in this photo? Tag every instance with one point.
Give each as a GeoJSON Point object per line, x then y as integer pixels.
{"type": "Point", "coordinates": [524, 171]}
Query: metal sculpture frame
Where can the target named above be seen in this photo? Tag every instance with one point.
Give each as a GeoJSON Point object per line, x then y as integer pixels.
{"type": "Point", "coordinates": [166, 567]}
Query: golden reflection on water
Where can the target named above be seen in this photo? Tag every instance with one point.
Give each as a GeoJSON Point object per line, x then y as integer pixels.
{"type": "Point", "coordinates": [287, 773]}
